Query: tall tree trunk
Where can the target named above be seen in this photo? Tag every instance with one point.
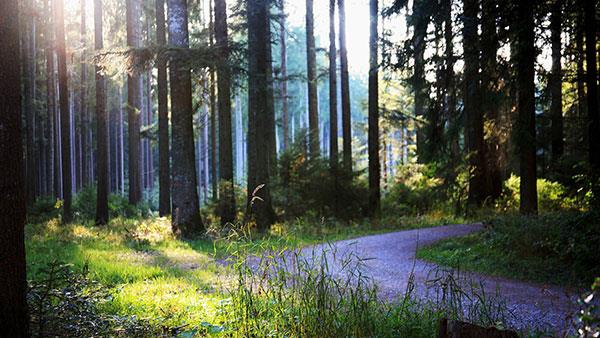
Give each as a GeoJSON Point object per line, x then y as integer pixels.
{"type": "Point", "coordinates": [65, 119]}
{"type": "Point", "coordinates": [311, 71]}
{"type": "Point", "coordinates": [213, 115]}
{"type": "Point", "coordinates": [164, 171]}
{"type": "Point", "coordinates": [28, 47]}
{"type": "Point", "coordinates": [102, 124]}
{"type": "Point", "coordinates": [333, 120]}
{"type": "Point", "coordinates": [85, 152]}
{"type": "Point", "coordinates": [420, 21]}
{"type": "Point", "coordinates": [186, 219]}
{"type": "Point", "coordinates": [374, 165]}
{"type": "Point", "coordinates": [556, 113]}
{"type": "Point", "coordinates": [592, 97]}
{"type": "Point", "coordinates": [50, 97]}
{"type": "Point", "coordinates": [14, 319]}
{"type": "Point", "coordinates": [226, 188]}
{"type": "Point", "coordinates": [345, 92]}
{"type": "Point", "coordinates": [449, 83]}
{"type": "Point", "coordinates": [472, 108]}
{"type": "Point", "coordinates": [134, 105]}
{"type": "Point", "coordinates": [490, 101]}
{"type": "Point", "coordinates": [258, 115]}
{"type": "Point", "coordinates": [284, 86]}
{"type": "Point", "coordinates": [526, 107]}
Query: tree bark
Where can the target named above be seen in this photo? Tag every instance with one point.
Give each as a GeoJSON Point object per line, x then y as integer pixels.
{"type": "Point", "coordinates": [311, 72]}
{"type": "Point", "coordinates": [102, 124]}
{"type": "Point", "coordinates": [345, 91]}
{"type": "Point", "coordinates": [526, 107]}
{"type": "Point", "coordinates": [258, 115]}
{"type": "Point", "coordinates": [50, 99]}
{"type": "Point", "coordinates": [592, 98]}
{"type": "Point", "coordinates": [226, 188]}
{"type": "Point", "coordinates": [65, 119]}
{"type": "Point", "coordinates": [556, 114]}
{"type": "Point", "coordinates": [420, 21]}
{"type": "Point", "coordinates": [14, 319]}
{"type": "Point", "coordinates": [85, 152]}
{"type": "Point", "coordinates": [186, 219]}
{"type": "Point", "coordinates": [164, 171]}
{"type": "Point", "coordinates": [134, 105]}
{"type": "Point", "coordinates": [28, 63]}
{"type": "Point", "coordinates": [374, 165]}
{"type": "Point", "coordinates": [213, 116]}
{"type": "Point", "coordinates": [333, 120]}
{"type": "Point", "coordinates": [472, 107]}
{"type": "Point", "coordinates": [284, 86]}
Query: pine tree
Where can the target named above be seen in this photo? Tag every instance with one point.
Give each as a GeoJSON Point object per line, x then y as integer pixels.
{"type": "Point", "coordinates": [102, 124]}
{"type": "Point", "coordinates": [164, 170]}
{"type": "Point", "coordinates": [374, 165]}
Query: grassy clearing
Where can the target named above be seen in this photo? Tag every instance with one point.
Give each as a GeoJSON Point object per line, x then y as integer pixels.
{"type": "Point", "coordinates": [556, 248]}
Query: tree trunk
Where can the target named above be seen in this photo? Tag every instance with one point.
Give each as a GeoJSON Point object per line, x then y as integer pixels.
{"type": "Point", "coordinates": [65, 118]}
{"type": "Point", "coordinates": [472, 108]}
{"type": "Point", "coordinates": [102, 125]}
{"type": "Point", "coordinates": [420, 22]}
{"type": "Point", "coordinates": [213, 115]}
{"type": "Point", "coordinates": [186, 219]}
{"type": "Point", "coordinates": [592, 98]}
{"type": "Point", "coordinates": [258, 115]}
{"type": "Point", "coordinates": [164, 178]}
{"type": "Point", "coordinates": [556, 113]}
{"type": "Point", "coordinates": [311, 71]}
{"type": "Point", "coordinates": [134, 105]}
{"type": "Point", "coordinates": [85, 152]}
{"type": "Point", "coordinates": [14, 319]}
{"type": "Point", "coordinates": [28, 62]}
{"type": "Point", "coordinates": [345, 92]}
{"type": "Point", "coordinates": [284, 86]}
{"type": "Point", "coordinates": [526, 107]}
{"type": "Point", "coordinates": [374, 165]}
{"type": "Point", "coordinates": [226, 188]}
{"type": "Point", "coordinates": [50, 98]}
{"type": "Point", "coordinates": [333, 127]}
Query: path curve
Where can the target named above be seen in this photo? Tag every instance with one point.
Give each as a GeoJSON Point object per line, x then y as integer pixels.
{"type": "Point", "coordinates": [392, 259]}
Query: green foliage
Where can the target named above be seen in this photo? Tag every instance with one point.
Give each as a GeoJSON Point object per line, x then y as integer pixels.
{"type": "Point", "coordinates": [556, 247]}
{"type": "Point", "coordinates": [84, 205]}
{"type": "Point", "coordinates": [307, 186]}
{"type": "Point", "coordinates": [552, 196]}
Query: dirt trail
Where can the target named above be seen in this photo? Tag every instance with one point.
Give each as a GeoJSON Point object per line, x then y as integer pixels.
{"type": "Point", "coordinates": [392, 259]}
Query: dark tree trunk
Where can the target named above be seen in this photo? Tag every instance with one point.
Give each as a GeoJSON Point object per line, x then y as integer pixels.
{"type": "Point", "coordinates": [213, 116]}
{"type": "Point", "coordinates": [226, 188]}
{"type": "Point", "coordinates": [186, 219]}
{"type": "Point", "coordinates": [452, 118]}
{"type": "Point", "coordinates": [472, 108]}
{"type": "Point", "coordinates": [164, 171]}
{"type": "Point", "coordinates": [65, 119]}
{"type": "Point", "coordinates": [102, 125]}
{"type": "Point", "coordinates": [50, 99]}
{"type": "Point", "coordinates": [29, 99]}
{"type": "Point", "coordinates": [374, 165]}
{"type": "Point", "coordinates": [85, 170]}
{"type": "Point", "coordinates": [134, 105]}
{"type": "Point", "coordinates": [14, 320]}
{"type": "Point", "coordinates": [284, 89]}
{"type": "Point", "coordinates": [333, 120]}
{"type": "Point", "coordinates": [555, 84]}
{"type": "Point", "coordinates": [526, 107]}
{"type": "Point", "coordinates": [258, 114]}
{"type": "Point", "coordinates": [311, 71]}
{"type": "Point", "coordinates": [345, 91]}
{"type": "Point", "coordinates": [490, 100]}
{"type": "Point", "coordinates": [420, 22]}
{"type": "Point", "coordinates": [592, 98]}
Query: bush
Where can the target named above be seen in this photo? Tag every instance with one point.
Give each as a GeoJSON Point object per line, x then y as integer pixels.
{"type": "Point", "coordinates": [84, 205]}
{"type": "Point", "coordinates": [552, 196]}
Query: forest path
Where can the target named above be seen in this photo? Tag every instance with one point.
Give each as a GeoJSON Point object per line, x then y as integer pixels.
{"type": "Point", "coordinates": [391, 260]}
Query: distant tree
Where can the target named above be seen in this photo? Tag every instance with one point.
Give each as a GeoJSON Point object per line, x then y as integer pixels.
{"type": "Point", "coordinates": [134, 105]}
{"type": "Point", "coordinates": [592, 96]}
{"type": "Point", "coordinates": [525, 60]}
{"type": "Point", "coordinates": [284, 81]}
{"type": "Point", "coordinates": [65, 121]}
{"type": "Point", "coordinates": [311, 70]}
{"type": "Point", "coordinates": [186, 219]}
{"type": "Point", "coordinates": [555, 82]}
{"type": "Point", "coordinates": [102, 124]}
{"type": "Point", "coordinates": [226, 188]}
{"type": "Point", "coordinates": [333, 119]}
{"type": "Point", "coordinates": [345, 90]}
{"type": "Point", "coordinates": [373, 144]}
{"type": "Point", "coordinates": [14, 319]}
{"type": "Point", "coordinates": [259, 110]}
{"type": "Point", "coordinates": [84, 120]}
{"type": "Point", "coordinates": [164, 170]}
{"type": "Point", "coordinates": [213, 112]}
{"type": "Point", "coordinates": [51, 101]}
{"type": "Point", "coordinates": [420, 20]}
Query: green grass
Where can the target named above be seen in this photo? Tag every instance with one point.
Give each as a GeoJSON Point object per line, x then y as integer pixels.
{"type": "Point", "coordinates": [551, 249]}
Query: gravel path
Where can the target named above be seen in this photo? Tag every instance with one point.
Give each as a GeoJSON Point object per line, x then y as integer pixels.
{"type": "Point", "coordinates": [392, 259]}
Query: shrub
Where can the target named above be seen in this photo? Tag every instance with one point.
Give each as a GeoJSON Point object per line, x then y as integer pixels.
{"type": "Point", "coordinates": [84, 205]}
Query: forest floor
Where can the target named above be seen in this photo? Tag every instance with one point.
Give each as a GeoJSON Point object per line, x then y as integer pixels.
{"type": "Point", "coordinates": [390, 260]}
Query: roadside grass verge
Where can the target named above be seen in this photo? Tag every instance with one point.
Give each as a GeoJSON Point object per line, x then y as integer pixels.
{"type": "Point", "coordinates": [556, 248]}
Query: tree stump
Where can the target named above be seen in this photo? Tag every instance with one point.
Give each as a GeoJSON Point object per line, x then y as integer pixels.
{"type": "Point", "coordinates": [457, 329]}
